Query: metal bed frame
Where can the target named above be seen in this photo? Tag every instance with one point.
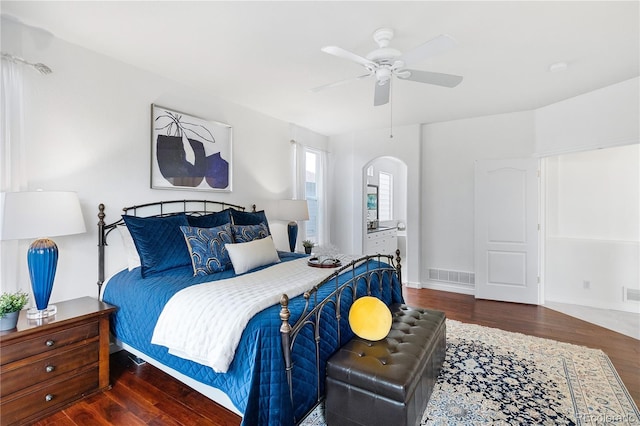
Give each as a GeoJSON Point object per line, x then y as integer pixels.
{"type": "Point", "coordinates": [313, 309]}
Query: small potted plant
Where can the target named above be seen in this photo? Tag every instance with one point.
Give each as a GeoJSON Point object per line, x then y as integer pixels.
{"type": "Point", "coordinates": [308, 245]}
{"type": "Point", "coordinates": [10, 306]}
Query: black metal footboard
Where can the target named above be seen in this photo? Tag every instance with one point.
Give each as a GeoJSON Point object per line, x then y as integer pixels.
{"type": "Point", "coordinates": [314, 308]}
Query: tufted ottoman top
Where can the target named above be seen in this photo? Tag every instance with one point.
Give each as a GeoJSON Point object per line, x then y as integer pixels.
{"type": "Point", "coordinates": [392, 366]}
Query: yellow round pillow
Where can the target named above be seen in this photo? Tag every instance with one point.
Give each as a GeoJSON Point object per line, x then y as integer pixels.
{"type": "Point", "coordinates": [370, 318]}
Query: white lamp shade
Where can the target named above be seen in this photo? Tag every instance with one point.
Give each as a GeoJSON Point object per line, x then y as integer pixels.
{"type": "Point", "coordinates": [293, 210]}
{"type": "Point", "coordinates": [39, 214]}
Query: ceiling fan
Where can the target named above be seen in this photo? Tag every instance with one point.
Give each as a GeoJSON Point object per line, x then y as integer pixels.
{"type": "Point", "coordinates": [386, 62]}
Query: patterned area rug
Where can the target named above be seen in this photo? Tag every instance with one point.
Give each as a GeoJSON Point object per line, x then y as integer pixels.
{"type": "Point", "coordinates": [491, 376]}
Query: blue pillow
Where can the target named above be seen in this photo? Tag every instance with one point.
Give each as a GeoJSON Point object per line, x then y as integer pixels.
{"type": "Point", "coordinates": [159, 242]}
{"type": "Point", "coordinates": [207, 248]}
{"type": "Point", "coordinates": [246, 233]}
{"type": "Point", "coordinates": [210, 220]}
{"type": "Point", "coordinates": [249, 218]}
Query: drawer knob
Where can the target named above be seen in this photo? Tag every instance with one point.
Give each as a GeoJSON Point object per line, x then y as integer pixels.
{"type": "Point", "coordinates": [48, 397]}
{"type": "Point", "coordinates": [49, 368]}
{"type": "Point", "coordinates": [50, 343]}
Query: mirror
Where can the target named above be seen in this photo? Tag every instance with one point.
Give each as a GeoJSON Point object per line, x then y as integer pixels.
{"type": "Point", "coordinates": [372, 206]}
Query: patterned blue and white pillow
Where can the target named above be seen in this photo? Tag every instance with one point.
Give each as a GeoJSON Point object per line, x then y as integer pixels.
{"type": "Point", "coordinates": [207, 248]}
{"type": "Point", "coordinates": [246, 233]}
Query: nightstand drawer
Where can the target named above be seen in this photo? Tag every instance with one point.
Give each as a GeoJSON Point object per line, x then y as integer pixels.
{"type": "Point", "coordinates": [20, 375]}
{"type": "Point", "coordinates": [48, 342]}
{"type": "Point", "coordinates": [49, 398]}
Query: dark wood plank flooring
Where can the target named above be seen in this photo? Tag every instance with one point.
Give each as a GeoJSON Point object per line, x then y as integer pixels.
{"type": "Point", "coordinates": [143, 395]}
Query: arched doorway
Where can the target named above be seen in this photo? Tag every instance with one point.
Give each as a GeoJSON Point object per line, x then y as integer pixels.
{"type": "Point", "coordinates": [384, 185]}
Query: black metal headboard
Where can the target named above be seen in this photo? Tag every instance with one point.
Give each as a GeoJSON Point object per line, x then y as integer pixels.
{"type": "Point", "coordinates": [157, 209]}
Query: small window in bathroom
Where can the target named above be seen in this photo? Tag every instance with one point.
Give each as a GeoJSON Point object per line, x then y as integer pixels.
{"type": "Point", "coordinates": [385, 196]}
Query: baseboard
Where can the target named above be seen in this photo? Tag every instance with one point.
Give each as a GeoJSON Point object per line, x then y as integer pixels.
{"type": "Point", "coordinates": [434, 285]}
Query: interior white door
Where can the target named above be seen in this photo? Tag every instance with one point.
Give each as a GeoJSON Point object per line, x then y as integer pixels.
{"type": "Point", "coordinates": [507, 230]}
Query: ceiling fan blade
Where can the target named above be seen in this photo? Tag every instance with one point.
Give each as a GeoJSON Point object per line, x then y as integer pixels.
{"type": "Point", "coordinates": [339, 83]}
{"type": "Point", "coordinates": [432, 47]}
{"type": "Point", "coordinates": [345, 54]}
{"type": "Point", "coordinates": [381, 94]}
{"type": "Point", "coordinates": [439, 79]}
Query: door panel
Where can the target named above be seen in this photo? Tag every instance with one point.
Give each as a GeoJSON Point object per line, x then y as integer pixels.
{"type": "Point", "coordinates": [507, 268]}
{"type": "Point", "coordinates": [506, 230]}
{"type": "Point", "coordinates": [506, 214]}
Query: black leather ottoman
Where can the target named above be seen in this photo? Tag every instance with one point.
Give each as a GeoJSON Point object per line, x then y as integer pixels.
{"type": "Point", "coordinates": [388, 382]}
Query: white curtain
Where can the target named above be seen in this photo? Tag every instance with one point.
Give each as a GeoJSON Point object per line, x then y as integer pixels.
{"type": "Point", "coordinates": [300, 168]}
{"type": "Point", "coordinates": [299, 181]}
{"type": "Point", "coordinates": [12, 163]}
{"type": "Point", "coordinates": [323, 205]}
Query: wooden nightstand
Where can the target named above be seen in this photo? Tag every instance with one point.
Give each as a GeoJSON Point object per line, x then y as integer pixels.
{"type": "Point", "coordinates": [47, 365]}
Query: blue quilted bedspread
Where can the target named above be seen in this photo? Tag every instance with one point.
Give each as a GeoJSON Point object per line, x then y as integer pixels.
{"type": "Point", "coordinates": [256, 381]}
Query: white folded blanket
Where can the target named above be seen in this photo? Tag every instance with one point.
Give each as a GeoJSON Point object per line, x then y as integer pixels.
{"type": "Point", "coordinates": [204, 322]}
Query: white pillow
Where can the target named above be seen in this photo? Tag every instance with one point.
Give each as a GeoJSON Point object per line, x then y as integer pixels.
{"type": "Point", "coordinates": [133, 258]}
{"type": "Point", "coordinates": [246, 256]}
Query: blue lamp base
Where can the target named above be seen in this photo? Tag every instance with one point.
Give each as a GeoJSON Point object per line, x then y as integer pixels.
{"type": "Point", "coordinates": [42, 258]}
{"type": "Point", "coordinates": [292, 231]}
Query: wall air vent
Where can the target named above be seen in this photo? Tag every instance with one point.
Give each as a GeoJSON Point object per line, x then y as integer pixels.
{"type": "Point", "coordinates": [457, 277]}
{"type": "Point", "coordinates": [631, 294]}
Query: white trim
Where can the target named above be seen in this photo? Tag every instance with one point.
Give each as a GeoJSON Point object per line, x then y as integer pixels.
{"type": "Point", "coordinates": [433, 285]}
{"type": "Point", "coordinates": [412, 285]}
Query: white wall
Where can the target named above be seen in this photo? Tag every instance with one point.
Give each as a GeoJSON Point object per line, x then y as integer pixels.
{"type": "Point", "coordinates": [592, 196]}
{"type": "Point", "coordinates": [603, 118]}
{"type": "Point", "coordinates": [87, 129]}
{"type": "Point", "coordinates": [446, 187]}
{"type": "Point", "coordinates": [449, 151]}
{"type": "Point", "coordinates": [348, 156]}
{"type": "Point", "coordinates": [593, 227]}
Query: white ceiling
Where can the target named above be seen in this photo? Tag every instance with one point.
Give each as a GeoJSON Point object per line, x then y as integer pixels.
{"type": "Point", "coordinates": [266, 55]}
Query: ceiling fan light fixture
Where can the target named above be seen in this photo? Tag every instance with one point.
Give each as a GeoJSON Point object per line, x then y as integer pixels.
{"type": "Point", "coordinates": [383, 74]}
{"type": "Point", "coordinates": [386, 62]}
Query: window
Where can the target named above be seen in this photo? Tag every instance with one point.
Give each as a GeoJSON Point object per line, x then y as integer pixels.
{"type": "Point", "coordinates": [385, 196]}
{"type": "Point", "coordinates": [310, 175]}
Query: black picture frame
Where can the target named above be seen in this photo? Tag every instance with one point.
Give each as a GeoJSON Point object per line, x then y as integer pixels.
{"type": "Point", "coordinates": [189, 153]}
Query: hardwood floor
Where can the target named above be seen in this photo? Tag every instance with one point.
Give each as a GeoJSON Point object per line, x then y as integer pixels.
{"type": "Point", "coordinates": [145, 395]}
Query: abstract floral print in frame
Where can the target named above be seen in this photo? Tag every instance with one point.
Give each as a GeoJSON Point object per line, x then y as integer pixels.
{"type": "Point", "coordinates": [188, 152]}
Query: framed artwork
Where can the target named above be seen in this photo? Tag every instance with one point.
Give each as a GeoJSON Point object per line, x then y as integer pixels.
{"type": "Point", "coordinates": [188, 152]}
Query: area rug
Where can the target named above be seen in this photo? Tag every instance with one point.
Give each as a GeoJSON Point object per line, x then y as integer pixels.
{"type": "Point", "coordinates": [491, 376]}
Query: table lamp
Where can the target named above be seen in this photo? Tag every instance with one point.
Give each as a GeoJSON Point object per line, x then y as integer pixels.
{"type": "Point", "coordinates": [292, 210]}
{"type": "Point", "coordinates": [40, 214]}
